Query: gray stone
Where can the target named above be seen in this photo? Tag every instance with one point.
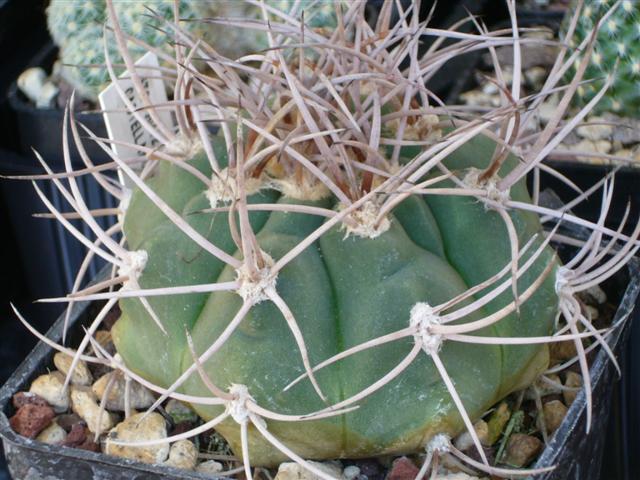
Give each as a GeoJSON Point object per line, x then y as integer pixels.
{"type": "Point", "coordinates": [210, 467]}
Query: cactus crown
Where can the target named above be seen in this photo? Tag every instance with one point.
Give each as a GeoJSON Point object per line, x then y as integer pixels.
{"type": "Point", "coordinates": [616, 53]}
{"type": "Point", "coordinates": [347, 260]}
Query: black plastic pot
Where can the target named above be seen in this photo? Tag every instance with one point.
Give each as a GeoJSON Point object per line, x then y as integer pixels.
{"type": "Point", "coordinates": [16, 18]}
{"type": "Point", "coordinates": [576, 454]}
{"type": "Point", "coordinates": [47, 250]}
{"type": "Point", "coordinates": [623, 436]}
{"type": "Point", "coordinates": [626, 191]}
{"type": "Point", "coordinates": [50, 256]}
{"type": "Point", "coordinates": [41, 128]}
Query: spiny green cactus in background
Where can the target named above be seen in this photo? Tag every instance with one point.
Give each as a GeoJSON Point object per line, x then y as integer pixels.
{"type": "Point", "coordinates": [345, 268]}
{"type": "Point", "coordinates": [616, 52]}
{"type": "Point", "coordinates": [68, 18]}
{"type": "Point", "coordinates": [77, 28]}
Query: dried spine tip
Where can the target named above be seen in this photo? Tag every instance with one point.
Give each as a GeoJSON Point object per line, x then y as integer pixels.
{"type": "Point", "coordinates": [422, 318]}
{"type": "Point", "coordinates": [255, 285]}
{"type": "Point", "coordinates": [365, 222]}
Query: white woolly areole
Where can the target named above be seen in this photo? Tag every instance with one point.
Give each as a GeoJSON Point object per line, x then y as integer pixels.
{"type": "Point", "coordinates": [301, 191]}
{"type": "Point", "coordinates": [224, 188]}
{"type": "Point", "coordinates": [472, 180]}
{"type": "Point", "coordinates": [254, 290]}
{"type": "Point", "coordinates": [423, 128]}
{"type": "Point", "coordinates": [441, 443]}
{"type": "Point", "coordinates": [184, 147]}
{"type": "Point", "coordinates": [563, 277]}
{"type": "Point", "coordinates": [422, 318]}
{"type": "Point", "coordinates": [237, 407]}
{"type": "Point", "coordinates": [125, 201]}
{"type": "Point", "coordinates": [362, 222]}
{"type": "Point", "coordinates": [134, 264]}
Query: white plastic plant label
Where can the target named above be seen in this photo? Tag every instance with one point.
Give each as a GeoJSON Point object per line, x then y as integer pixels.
{"type": "Point", "coordinates": [122, 125]}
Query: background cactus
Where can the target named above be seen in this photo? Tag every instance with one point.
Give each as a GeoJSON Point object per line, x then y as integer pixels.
{"type": "Point", "coordinates": [77, 27]}
{"type": "Point", "coordinates": [346, 268]}
{"type": "Point", "coordinates": [616, 52]}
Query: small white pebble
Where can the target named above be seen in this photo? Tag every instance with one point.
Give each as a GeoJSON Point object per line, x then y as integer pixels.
{"type": "Point", "coordinates": [183, 454]}
{"type": "Point", "coordinates": [53, 434]}
{"type": "Point", "coordinates": [598, 129]}
{"type": "Point", "coordinates": [597, 293]}
{"type": "Point", "coordinates": [51, 388]}
{"type": "Point", "coordinates": [80, 375]}
{"type": "Point", "coordinates": [294, 471]}
{"type": "Point", "coordinates": [210, 467]}
{"type": "Point", "coordinates": [139, 396]}
{"type": "Point", "coordinates": [85, 404]}
{"type": "Point", "coordinates": [351, 472]}
{"type": "Point", "coordinates": [139, 428]}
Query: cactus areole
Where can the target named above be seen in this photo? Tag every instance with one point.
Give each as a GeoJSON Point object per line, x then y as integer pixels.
{"type": "Point", "coordinates": [360, 280]}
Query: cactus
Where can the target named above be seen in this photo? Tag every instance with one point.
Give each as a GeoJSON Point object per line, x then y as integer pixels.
{"type": "Point", "coordinates": [77, 28]}
{"type": "Point", "coordinates": [343, 269]}
{"type": "Point", "coordinates": [344, 289]}
{"type": "Point", "coordinates": [616, 52]}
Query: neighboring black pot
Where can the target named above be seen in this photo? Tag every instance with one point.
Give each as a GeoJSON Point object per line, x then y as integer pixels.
{"type": "Point", "coordinates": [16, 18]}
{"type": "Point", "coordinates": [50, 256]}
{"type": "Point", "coordinates": [583, 175]}
{"type": "Point", "coordinates": [41, 128]}
{"type": "Point", "coordinates": [576, 454]}
{"type": "Point", "coordinates": [623, 437]}
{"type": "Point", "coordinates": [47, 250]}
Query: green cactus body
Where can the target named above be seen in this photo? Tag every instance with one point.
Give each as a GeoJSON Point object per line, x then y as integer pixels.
{"type": "Point", "coordinates": [617, 44]}
{"type": "Point", "coordinates": [343, 291]}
